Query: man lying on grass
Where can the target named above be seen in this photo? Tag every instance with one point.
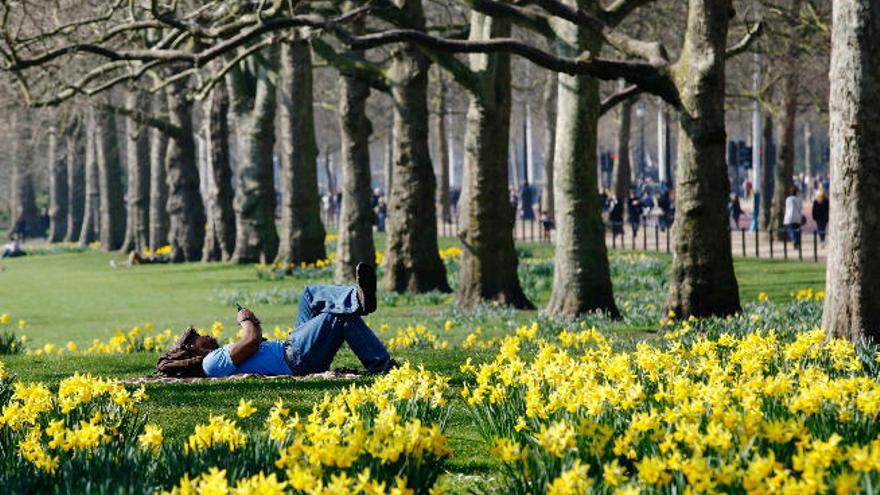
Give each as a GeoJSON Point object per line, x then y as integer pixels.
{"type": "Point", "coordinates": [328, 315]}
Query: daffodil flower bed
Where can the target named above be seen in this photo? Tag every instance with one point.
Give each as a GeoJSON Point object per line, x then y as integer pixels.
{"type": "Point", "coordinates": [88, 436]}
{"type": "Point", "coordinates": [763, 412]}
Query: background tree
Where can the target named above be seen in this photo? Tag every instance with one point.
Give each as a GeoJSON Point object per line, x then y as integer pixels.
{"type": "Point", "coordinates": [58, 183]}
{"type": "Point", "coordinates": [253, 103]}
{"type": "Point", "coordinates": [137, 153]}
{"type": "Point", "coordinates": [75, 151]}
{"type": "Point", "coordinates": [112, 209]}
{"type": "Point", "coordinates": [220, 229]}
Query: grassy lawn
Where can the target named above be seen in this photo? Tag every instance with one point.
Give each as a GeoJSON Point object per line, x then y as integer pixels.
{"type": "Point", "coordinates": [78, 297]}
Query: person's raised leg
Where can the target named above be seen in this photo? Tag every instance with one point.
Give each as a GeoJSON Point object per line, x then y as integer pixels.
{"type": "Point", "coordinates": [340, 299]}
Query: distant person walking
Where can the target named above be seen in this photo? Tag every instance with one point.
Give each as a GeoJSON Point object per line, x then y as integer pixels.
{"type": "Point", "coordinates": [615, 217]}
{"type": "Point", "coordinates": [793, 218]}
{"type": "Point", "coordinates": [634, 211]}
{"type": "Point", "coordinates": [734, 209]}
{"type": "Point", "coordinates": [820, 214]}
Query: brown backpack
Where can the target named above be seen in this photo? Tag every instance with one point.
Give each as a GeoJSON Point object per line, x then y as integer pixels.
{"type": "Point", "coordinates": [180, 360]}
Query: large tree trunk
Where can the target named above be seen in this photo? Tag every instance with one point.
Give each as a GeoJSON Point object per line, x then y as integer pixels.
{"type": "Point", "coordinates": [550, 92]}
{"type": "Point", "coordinates": [443, 151]}
{"type": "Point", "coordinates": [853, 267]}
{"type": "Point", "coordinates": [220, 234]}
{"type": "Point", "coordinates": [581, 276]}
{"type": "Point", "coordinates": [703, 282]}
{"type": "Point", "coordinates": [622, 177]}
{"type": "Point", "coordinates": [302, 238]}
{"type": "Point", "coordinates": [112, 225]}
{"type": "Point", "coordinates": [768, 175]}
{"type": "Point", "coordinates": [186, 212]}
{"type": "Point", "coordinates": [488, 262]}
{"type": "Point", "coordinates": [89, 231]}
{"type": "Point", "coordinates": [356, 218]}
{"type": "Point", "coordinates": [158, 183]}
{"type": "Point", "coordinates": [75, 178]}
{"type": "Point", "coordinates": [253, 105]}
{"type": "Point", "coordinates": [412, 262]}
{"type": "Point", "coordinates": [137, 152]}
{"type": "Point", "coordinates": [57, 188]}
{"type": "Point", "coordinates": [23, 205]}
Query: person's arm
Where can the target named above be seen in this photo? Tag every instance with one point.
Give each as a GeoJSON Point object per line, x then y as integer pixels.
{"type": "Point", "coordinates": [250, 341]}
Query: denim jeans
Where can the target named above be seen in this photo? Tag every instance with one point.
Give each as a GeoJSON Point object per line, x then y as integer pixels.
{"type": "Point", "coordinates": [328, 315]}
{"type": "Point", "coordinates": [794, 233]}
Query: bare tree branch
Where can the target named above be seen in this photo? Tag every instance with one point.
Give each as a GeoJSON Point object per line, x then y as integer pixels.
{"type": "Point", "coordinates": [746, 41]}
{"type": "Point", "coordinates": [612, 101]}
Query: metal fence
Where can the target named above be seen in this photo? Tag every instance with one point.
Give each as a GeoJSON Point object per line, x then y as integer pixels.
{"type": "Point", "coordinates": [652, 236]}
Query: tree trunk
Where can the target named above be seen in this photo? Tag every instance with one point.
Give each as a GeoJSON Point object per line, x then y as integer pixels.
{"type": "Point", "coordinates": [57, 188]}
{"type": "Point", "coordinates": [75, 178]}
{"type": "Point", "coordinates": [853, 267]}
{"type": "Point", "coordinates": [768, 177]}
{"type": "Point", "coordinates": [356, 218]}
{"type": "Point", "coordinates": [253, 105]}
{"type": "Point", "coordinates": [137, 152]}
{"type": "Point", "coordinates": [785, 153]}
{"type": "Point", "coordinates": [443, 149]}
{"type": "Point", "coordinates": [112, 225]}
{"type": "Point", "coordinates": [703, 282]}
{"type": "Point", "coordinates": [158, 182]}
{"type": "Point", "coordinates": [581, 276]}
{"type": "Point", "coordinates": [89, 231]}
{"type": "Point", "coordinates": [23, 207]}
{"type": "Point", "coordinates": [220, 234]}
{"type": "Point", "coordinates": [550, 92]}
{"type": "Point", "coordinates": [488, 262]}
{"type": "Point", "coordinates": [412, 262]}
{"type": "Point", "coordinates": [622, 168]}
{"type": "Point", "coordinates": [186, 212]}
{"type": "Point", "coordinates": [808, 159]}
{"type": "Point", "coordinates": [303, 234]}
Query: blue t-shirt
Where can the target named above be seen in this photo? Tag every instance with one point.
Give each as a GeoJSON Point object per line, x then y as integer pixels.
{"type": "Point", "coordinates": [268, 360]}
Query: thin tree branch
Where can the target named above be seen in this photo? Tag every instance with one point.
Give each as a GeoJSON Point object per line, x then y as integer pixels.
{"type": "Point", "coordinates": [619, 97]}
{"type": "Point", "coordinates": [746, 40]}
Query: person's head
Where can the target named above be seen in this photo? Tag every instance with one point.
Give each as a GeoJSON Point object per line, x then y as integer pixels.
{"type": "Point", "coordinates": [793, 191]}
{"type": "Point", "coordinates": [820, 196]}
{"type": "Point", "coordinates": [202, 345]}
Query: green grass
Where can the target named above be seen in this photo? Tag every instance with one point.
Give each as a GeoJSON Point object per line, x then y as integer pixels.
{"type": "Point", "coordinates": [78, 297]}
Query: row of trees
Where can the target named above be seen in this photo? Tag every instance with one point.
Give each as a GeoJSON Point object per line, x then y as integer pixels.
{"type": "Point", "coordinates": [245, 60]}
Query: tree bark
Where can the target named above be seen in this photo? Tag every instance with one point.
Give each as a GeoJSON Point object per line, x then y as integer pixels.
{"type": "Point", "coordinates": [89, 231]}
{"type": "Point", "coordinates": [355, 242]}
{"type": "Point", "coordinates": [158, 183]}
{"type": "Point", "coordinates": [489, 261]}
{"type": "Point", "coordinates": [57, 188]}
{"type": "Point", "coordinates": [702, 282]}
{"type": "Point", "coordinates": [253, 101]}
{"type": "Point", "coordinates": [302, 238]}
{"type": "Point", "coordinates": [768, 177]}
{"type": "Point", "coordinates": [412, 262]}
{"type": "Point", "coordinates": [550, 92]}
{"type": "Point", "coordinates": [388, 165]}
{"type": "Point", "coordinates": [137, 152]}
{"type": "Point", "coordinates": [622, 168]}
{"type": "Point", "coordinates": [853, 267]}
{"type": "Point", "coordinates": [23, 206]}
{"type": "Point", "coordinates": [186, 212]}
{"type": "Point", "coordinates": [75, 178]}
{"type": "Point", "coordinates": [443, 151]}
{"type": "Point", "coordinates": [220, 234]}
{"type": "Point", "coordinates": [112, 224]}
{"type": "Point", "coordinates": [581, 276]}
